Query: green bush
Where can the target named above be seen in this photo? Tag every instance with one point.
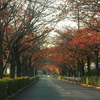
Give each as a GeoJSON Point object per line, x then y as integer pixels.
{"type": "Point", "coordinates": [3, 89]}
{"type": "Point", "coordinates": [22, 81]}
{"type": "Point", "coordinates": [60, 77]}
{"type": "Point", "coordinates": [97, 83]}
{"type": "Point", "coordinates": [83, 79]}
{"type": "Point", "coordinates": [32, 79]}
{"type": "Point", "coordinates": [91, 80]}
{"type": "Point", "coordinates": [6, 75]}
{"type": "Point", "coordinates": [9, 86]}
{"type": "Point", "coordinates": [36, 77]}
{"type": "Point", "coordinates": [16, 84]}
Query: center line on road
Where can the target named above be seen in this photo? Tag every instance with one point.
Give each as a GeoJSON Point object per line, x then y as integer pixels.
{"type": "Point", "coordinates": [48, 84]}
{"type": "Point", "coordinates": [75, 98]}
{"type": "Point", "coordinates": [56, 84]}
{"type": "Point", "coordinates": [59, 86]}
{"type": "Point", "coordinates": [68, 93]}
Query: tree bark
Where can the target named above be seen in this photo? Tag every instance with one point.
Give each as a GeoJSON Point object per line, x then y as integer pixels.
{"type": "Point", "coordinates": [18, 66]}
{"type": "Point", "coordinates": [88, 64]}
{"type": "Point", "coordinates": [74, 71]}
{"type": "Point", "coordinates": [1, 61]}
{"type": "Point", "coordinates": [23, 68]}
{"type": "Point", "coordinates": [81, 68]}
{"type": "Point", "coordinates": [12, 67]}
{"type": "Point", "coordinates": [96, 62]}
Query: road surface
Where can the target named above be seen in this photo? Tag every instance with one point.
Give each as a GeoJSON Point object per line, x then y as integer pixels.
{"type": "Point", "coordinates": [54, 89]}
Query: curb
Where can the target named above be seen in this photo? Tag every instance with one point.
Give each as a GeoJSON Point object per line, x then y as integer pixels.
{"type": "Point", "coordinates": [84, 85]}
{"type": "Point", "coordinates": [20, 90]}
{"type": "Point", "coordinates": [90, 86]}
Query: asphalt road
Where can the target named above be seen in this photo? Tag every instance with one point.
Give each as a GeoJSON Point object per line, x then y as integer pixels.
{"type": "Point", "coordinates": [54, 89]}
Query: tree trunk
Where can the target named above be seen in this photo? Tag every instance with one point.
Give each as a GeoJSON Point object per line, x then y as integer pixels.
{"type": "Point", "coordinates": [18, 66]}
{"type": "Point", "coordinates": [1, 72]}
{"type": "Point", "coordinates": [1, 61]}
{"type": "Point", "coordinates": [88, 64]}
{"type": "Point", "coordinates": [18, 70]}
{"type": "Point", "coordinates": [69, 71]}
{"type": "Point", "coordinates": [12, 70]}
{"type": "Point", "coordinates": [74, 71]}
{"type": "Point", "coordinates": [12, 67]}
{"type": "Point", "coordinates": [81, 68]}
{"type": "Point", "coordinates": [23, 68]}
{"type": "Point", "coordinates": [1, 66]}
{"type": "Point", "coordinates": [29, 66]}
{"type": "Point", "coordinates": [63, 70]}
{"type": "Point", "coordinates": [96, 62]}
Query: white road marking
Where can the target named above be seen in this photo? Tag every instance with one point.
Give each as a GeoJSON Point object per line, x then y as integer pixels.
{"type": "Point", "coordinates": [75, 98]}
{"type": "Point", "coordinates": [63, 89]}
{"type": "Point", "coordinates": [48, 84]}
{"type": "Point", "coordinates": [68, 93]}
{"type": "Point", "coordinates": [58, 85]}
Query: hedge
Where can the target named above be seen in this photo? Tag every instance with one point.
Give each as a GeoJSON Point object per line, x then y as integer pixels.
{"type": "Point", "coordinates": [3, 92]}
{"type": "Point", "coordinates": [60, 77]}
{"type": "Point", "coordinates": [91, 80]}
{"type": "Point", "coordinates": [32, 79]}
{"type": "Point", "coordinates": [9, 86]}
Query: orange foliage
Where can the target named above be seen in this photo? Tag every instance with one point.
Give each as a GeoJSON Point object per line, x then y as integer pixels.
{"type": "Point", "coordinates": [20, 9]}
{"type": "Point", "coordinates": [54, 68]}
{"type": "Point", "coordinates": [8, 28]}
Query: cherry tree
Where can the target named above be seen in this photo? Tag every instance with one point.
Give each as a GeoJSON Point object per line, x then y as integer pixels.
{"type": "Point", "coordinates": [20, 19]}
